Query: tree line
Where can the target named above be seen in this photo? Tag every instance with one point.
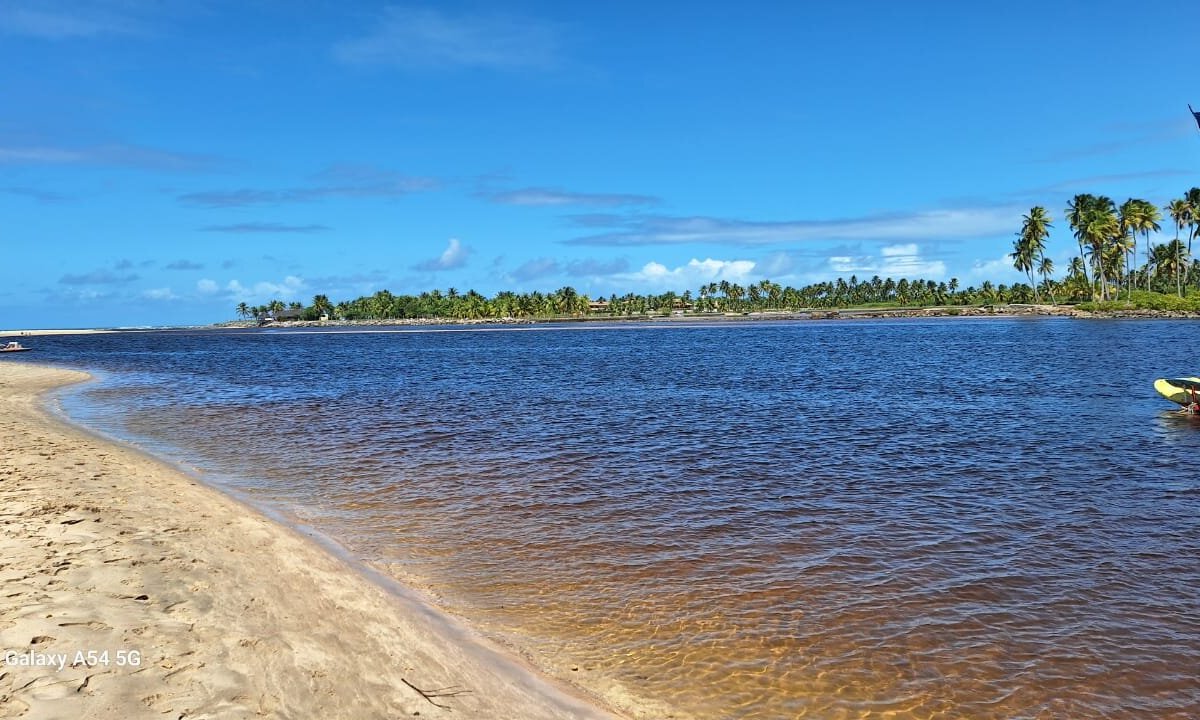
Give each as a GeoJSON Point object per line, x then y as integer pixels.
{"type": "Point", "coordinates": [1110, 261]}
{"type": "Point", "coordinates": [1108, 265]}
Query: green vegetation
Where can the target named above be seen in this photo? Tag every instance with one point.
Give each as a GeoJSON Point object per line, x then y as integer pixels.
{"type": "Point", "coordinates": [1108, 243]}
{"type": "Point", "coordinates": [1144, 300]}
{"type": "Point", "coordinates": [1105, 269]}
{"type": "Point", "coordinates": [723, 297]}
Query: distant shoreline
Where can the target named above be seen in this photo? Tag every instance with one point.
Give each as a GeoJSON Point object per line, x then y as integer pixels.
{"type": "Point", "coordinates": [69, 331]}
{"type": "Point", "coordinates": [948, 311]}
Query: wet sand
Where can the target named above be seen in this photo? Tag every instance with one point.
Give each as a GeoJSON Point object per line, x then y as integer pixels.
{"type": "Point", "coordinates": [130, 590]}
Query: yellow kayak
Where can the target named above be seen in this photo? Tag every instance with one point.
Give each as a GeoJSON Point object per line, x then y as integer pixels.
{"type": "Point", "coordinates": [1178, 390]}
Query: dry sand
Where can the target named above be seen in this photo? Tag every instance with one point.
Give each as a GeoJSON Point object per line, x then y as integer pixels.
{"type": "Point", "coordinates": [192, 605]}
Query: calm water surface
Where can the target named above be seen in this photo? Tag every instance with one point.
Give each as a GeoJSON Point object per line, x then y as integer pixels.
{"type": "Point", "coordinates": [900, 519]}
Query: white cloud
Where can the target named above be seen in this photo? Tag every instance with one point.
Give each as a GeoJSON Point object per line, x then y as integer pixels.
{"type": "Point", "coordinates": [116, 154]}
{"type": "Point", "coordinates": [998, 270]}
{"type": "Point", "coordinates": [907, 250]}
{"type": "Point", "coordinates": [291, 288]}
{"type": "Point", "coordinates": [958, 223]}
{"type": "Point", "coordinates": [454, 256]}
{"type": "Point", "coordinates": [163, 293]}
{"type": "Point", "coordinates": [59, 21]}
{"type": "Point", "coordinates": [555, 197]}
{"type": "Point", "coordinates": [40, 155]}
{"type": "Point", "coordinates": [906, 261]}
{"type": "Point", "coordinates": [853, 264]}
{"type": "Point", "coordinates": [896, 261]}
{"type": "Point", "coordinates": [776, 264]}
{"type": "Point", "coordinates": [534, 269]}
{"type": "Point", "coordinates": [419, 38]}
{"type": "Point", "coordinates": [691, 275]}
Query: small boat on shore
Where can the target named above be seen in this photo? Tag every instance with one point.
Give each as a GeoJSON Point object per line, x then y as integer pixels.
{"type": "Point", "coordinates": [14, 347]}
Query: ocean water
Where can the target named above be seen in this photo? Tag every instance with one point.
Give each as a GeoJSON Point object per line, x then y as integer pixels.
{"type": "Point", "coordinates": [984, 518]}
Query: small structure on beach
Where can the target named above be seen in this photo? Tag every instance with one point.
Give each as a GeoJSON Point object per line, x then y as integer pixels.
{"type": "Point", "coordinates": [280, 316]}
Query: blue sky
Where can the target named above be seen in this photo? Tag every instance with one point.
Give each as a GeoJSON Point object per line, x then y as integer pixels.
{"type": "Point", "coordinates": [162, 161]}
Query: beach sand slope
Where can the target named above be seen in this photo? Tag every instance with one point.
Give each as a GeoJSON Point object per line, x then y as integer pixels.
{"type": "Point", "coordinates": [129, 590]}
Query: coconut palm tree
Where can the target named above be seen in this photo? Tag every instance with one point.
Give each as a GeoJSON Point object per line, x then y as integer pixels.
{"type": "Point", "coordinates": [735, 294]}
{"type": "Point", "coordinates": [243, 310]}
{"type": "Point", "coordinates": [321, 305]}
{"type": "Point", "coordinates": [1045, 269]}
{"type": "Point", "coordinates": [1114, 255]}
{"type": "Point", "coordinates": [1169, 258]}
{"type": "Point", "coordinates": [1181, 213]}
{"type": "Point", "coordinates": [1192, 198]}
{"type": "Point", "coordinates": [564, 300]}
{"type": "Point", "coordinates": [1127, 220]}
{"type": "Point", "coordinates": [1145, 222]}
{"type": "Point", "coordinates": [988, 291]}
{"type": "Point", "coordinates": [1030, 245]}
{"type": "Point", "coordinates": [1094, 222]}
{"type": "Point", "coordinates": [1076, 280]}
{"type": "Point", "coordinates": [1076, 209]}
{"type": "Point", "coordinates": [1022, 254]}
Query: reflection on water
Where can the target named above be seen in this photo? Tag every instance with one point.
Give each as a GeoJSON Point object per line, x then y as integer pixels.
{"type": "Point", "coordinates": [1183, 423]}
{"type": "Point", "coordinates": [896, 519]}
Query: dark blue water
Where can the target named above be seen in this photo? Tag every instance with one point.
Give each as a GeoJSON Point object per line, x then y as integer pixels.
{"type": "Point", "coordinates": [987, 518]}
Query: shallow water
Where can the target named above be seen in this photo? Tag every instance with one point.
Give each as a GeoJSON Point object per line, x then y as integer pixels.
{"type": "Point", "coordinates": [988, 518]}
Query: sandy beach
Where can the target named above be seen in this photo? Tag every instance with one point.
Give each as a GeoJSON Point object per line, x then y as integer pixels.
{"type": "Point", "coordinates": [130, 590]}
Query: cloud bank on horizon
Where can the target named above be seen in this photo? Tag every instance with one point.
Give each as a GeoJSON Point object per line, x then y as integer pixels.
{"type": "Point", "coordinates": [168, 160]}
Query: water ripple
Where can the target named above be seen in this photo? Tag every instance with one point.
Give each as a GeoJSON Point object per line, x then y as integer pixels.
{"type": "Point", "coordinates": [986, 519]}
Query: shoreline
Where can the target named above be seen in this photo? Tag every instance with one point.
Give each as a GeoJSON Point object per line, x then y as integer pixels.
{"type": "Point", "coordinates": [948, 311]}
{"type": "Point", "coordinates": [110, 555]}
{"type": "Point", "coordinates": [945, 311]}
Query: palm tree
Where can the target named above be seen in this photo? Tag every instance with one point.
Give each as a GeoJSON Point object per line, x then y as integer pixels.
{"type": "Point", "coordinates": [1030, 245]}
{"type": "Point", "coordinates": [988, 291]}
{"type": "Point", "coordinates": [564, 300]}
{"type": "Point", "coordinates": [1181, 213]}
{"type": "Point", "coordinates": [1146, 221]}
{"type": "Point", "coordinates": [1192, 198]}
{"type": "Point", "coordinates": [321, 305]}
{"type": "Point", "coordinates": [243, 310]}
{"type": "Point", "coordinates": [1126, 240]}
{"type": "Point", "coordinates": [1114, 254]}
{"type": "Point", "coordinates": [754, 292]}
{"type": "Point", "coordinates": [1022, 256]}
{"type": "Point", "coordinates": [1094, 222]}
{"type": "Point", "coordinates": [775, 293]}
{"type": "Point", "coordinates": [1077, 276]}
{"type": "Point", "coordinates": [1045, 269]}
{"type": "Point", "coordinates": [1169, 257]}
{"type": "Point", "coordinates": [1076, 210]}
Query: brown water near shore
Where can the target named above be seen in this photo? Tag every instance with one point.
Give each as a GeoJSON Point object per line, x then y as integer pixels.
{"type": "Point", "coordinates": [705, 522]}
